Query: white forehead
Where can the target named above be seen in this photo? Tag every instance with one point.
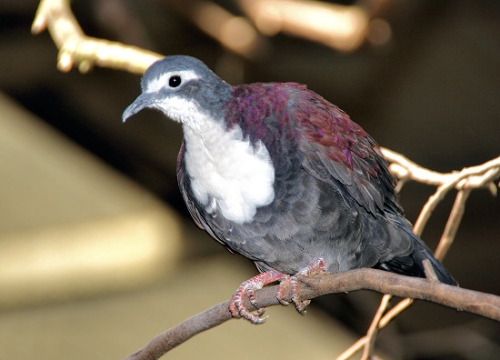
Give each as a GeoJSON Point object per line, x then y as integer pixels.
{"type": "Point", "coordinates": [161, 81]}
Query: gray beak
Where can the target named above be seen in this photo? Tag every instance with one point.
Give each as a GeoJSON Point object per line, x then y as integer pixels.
{"type": "Point", "coordinates": [143, 101]}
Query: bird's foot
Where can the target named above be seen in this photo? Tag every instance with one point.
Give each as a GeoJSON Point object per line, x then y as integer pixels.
{"type": "Point", "coordinates": [313, 268]}
{"type": "Point", "coordinates": [248, 288]}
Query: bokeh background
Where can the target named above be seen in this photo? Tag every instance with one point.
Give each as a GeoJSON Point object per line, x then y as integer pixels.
{"type": "Point", "coordinates": [97, 251]}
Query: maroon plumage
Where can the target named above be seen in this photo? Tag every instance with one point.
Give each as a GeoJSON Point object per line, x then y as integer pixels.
{"type": "Point", "coordinates": [332, 141]}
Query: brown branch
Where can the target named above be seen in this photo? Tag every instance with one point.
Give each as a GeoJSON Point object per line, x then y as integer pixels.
{"type": "Point", "coordinates": [376, 325]}
{"type": "Point", "coordinates": [475, 302]}
{"type": "Point", "coordinates": [182, 332]}
{"type": "Point", "coordinates": [75, 48]}
{"type": "Point", "coordinates": [233, 32]}
{"type": "Point", "coordinates": [477, 176]}
{"type": "Point", "coordinates": [464, 181]}
{"type": "Point", "coordinates": [338, 26]}
{"type": "Point", "coordinates": [451, 227]}
{"type": "Point", "coordinates": [372, 332]}
{"type": "Point", "coordinates": [468, 178]}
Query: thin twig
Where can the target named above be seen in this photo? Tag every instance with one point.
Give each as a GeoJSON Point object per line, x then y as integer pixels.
{"type": "Point", "coordinates": [430, 205]}
{"type": "Point", "coordinates": [395, 311]}
{"type": "Point", "coordinates": [75, 48]}
{"type": "Point", "coordinates": [373, 329]}
{"type": "Point", "coordinates": [451, 228]}
{"type": "Point", "coordinates": [430, 273]}
{"type": "Point", "coordinates": [353, 349]}
{"type": "Point", "coordinates": [386, 319]}
{"type": "Point", "coordinates": [235, 33]}
{"type": "Point", "coordinates": [404, 168]}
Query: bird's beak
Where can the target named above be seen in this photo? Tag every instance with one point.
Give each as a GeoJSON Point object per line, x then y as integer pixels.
{"type": "Point", "coordinates": [143, 101]}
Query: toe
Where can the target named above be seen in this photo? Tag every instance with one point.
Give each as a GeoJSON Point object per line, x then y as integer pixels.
{"type": "Point", "coordinates": [247, 289]}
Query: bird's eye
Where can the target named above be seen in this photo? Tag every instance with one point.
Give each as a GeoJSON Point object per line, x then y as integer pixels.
{"type": "Point", "coordinates": [174, 81]}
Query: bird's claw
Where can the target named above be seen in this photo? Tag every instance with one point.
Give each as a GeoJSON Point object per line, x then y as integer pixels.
{"type": "Point", "coordinates": [247, 288]}
{"type": "Point", "coordinates": [238, 309]}
{"type": "Point", "coordinates": [315, 267]}
{"type": "Point", "coordinates": [291, 282]}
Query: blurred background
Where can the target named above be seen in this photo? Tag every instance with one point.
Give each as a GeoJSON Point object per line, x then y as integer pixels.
{"type": "Point", "coordinates": [97, 251]}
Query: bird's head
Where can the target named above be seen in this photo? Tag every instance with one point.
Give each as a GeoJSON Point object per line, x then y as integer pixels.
{"type": "Point", "coordinates": [226, 173]}
{"type": "Point", "coordinates": [183, 88]}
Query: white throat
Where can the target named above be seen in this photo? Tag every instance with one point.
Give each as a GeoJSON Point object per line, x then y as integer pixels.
{"type": "Point", "coordinates": [227, 172]}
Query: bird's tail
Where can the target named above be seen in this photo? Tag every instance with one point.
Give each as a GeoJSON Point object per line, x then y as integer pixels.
{"type": "Point", "coordinates": [421, 253]}
{"type": "Point", "coordinates": [412, 264]}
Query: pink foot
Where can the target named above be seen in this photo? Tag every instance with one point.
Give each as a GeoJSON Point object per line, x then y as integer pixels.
{"type": "Point", "coordinates": [236, 304]}
{"type": "Point", "coordinates": [313, 268]}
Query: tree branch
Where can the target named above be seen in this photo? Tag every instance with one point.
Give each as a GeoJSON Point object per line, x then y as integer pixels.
{"type": "Point", "coordinates": [464, 181]}
{"type": "Point", "coordinates": [475, 302]}
{"type": "Point", "coordinates": [477, 176]}
{"type": "Point", "coordinates": [75, 48]}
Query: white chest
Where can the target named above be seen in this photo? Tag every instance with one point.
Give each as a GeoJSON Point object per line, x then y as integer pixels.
{"type": "Point", "coordinates": [228, 173]}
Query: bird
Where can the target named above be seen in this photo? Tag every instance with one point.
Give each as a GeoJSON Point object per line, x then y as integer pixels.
{"type": "Point", "coordinates": [278, 174]}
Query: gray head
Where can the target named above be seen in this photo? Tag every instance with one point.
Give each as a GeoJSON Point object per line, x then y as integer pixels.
{"type": "Point", "coordinates": [183, 88]}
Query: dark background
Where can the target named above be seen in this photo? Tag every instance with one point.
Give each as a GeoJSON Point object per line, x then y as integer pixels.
{"type": "Point", "coordinates": [431, 93]}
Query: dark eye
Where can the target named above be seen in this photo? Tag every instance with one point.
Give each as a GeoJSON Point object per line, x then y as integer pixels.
{"type": "Point", "coordinates": [174, 81]}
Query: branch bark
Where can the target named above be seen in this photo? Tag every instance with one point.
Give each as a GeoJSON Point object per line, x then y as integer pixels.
{"type": "Point", "coordinates": [76, 48]}
{"type": "Point", "coordinates": [475, 302]}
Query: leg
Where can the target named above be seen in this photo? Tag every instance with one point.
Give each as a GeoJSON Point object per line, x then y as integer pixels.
{"type": "Point", "coordinates": [313, 268]}
{"type": "Point", "coordinates": [236, 304]}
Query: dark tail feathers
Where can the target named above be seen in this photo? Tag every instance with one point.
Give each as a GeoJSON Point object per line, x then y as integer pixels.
{"type": "Point", "coordinates": [412, 265]}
